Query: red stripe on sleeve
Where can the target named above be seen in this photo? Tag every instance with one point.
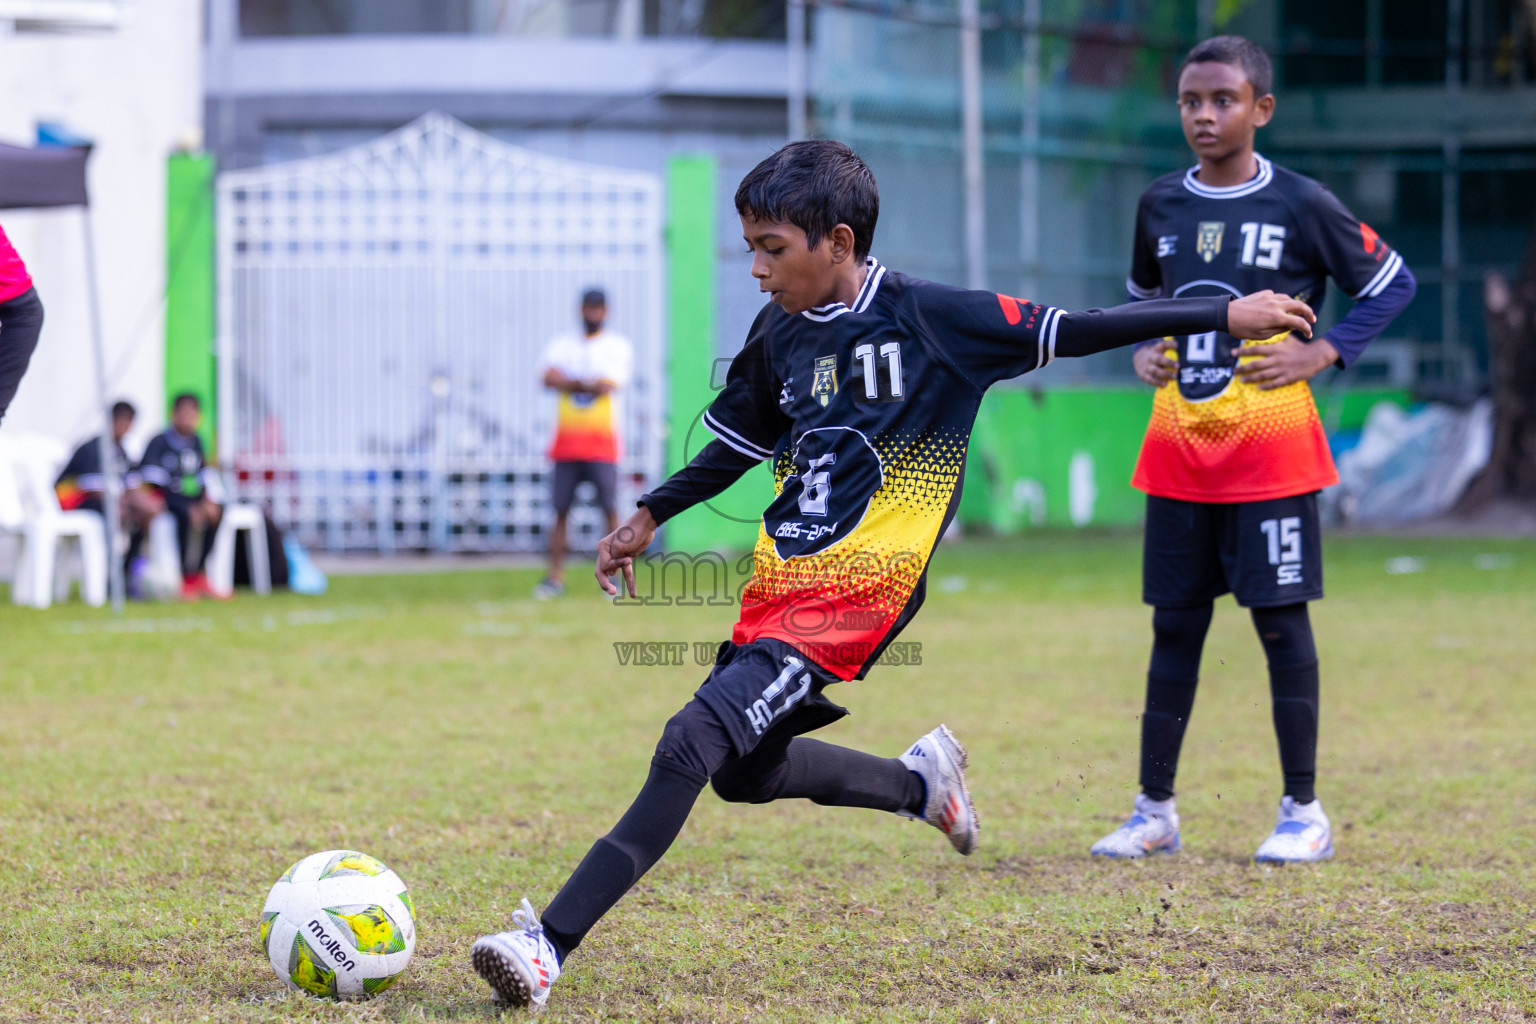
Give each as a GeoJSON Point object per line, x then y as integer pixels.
{"type": "Point", "coordinates": [1368, 236]}
{"type": "Point", "coordinates": [1011, 311]}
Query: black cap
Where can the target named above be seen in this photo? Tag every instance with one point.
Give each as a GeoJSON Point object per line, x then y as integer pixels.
{"type": "Point", "coordinates": [594, 297]}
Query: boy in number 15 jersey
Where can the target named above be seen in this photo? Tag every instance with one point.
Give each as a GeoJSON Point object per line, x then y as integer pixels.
{"type": "Point", "coordinates": [861, 385]}
{"type": "Point", "coordinates": [1235, 453]}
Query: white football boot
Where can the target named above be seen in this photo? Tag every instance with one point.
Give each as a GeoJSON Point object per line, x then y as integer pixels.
{"type": "Point", "coordinates": [520, 965]}
{"type": "Point", "coordinates": [940, 760]}
{"type": "Point", "coordinates": [1302, 834]}
{"type": "Point", "coordinates": [1153, 827]}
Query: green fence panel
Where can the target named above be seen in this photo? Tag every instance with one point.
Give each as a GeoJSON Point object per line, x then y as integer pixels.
{"type": "Point", "coordinates": [191, 282]}
{"type": "Point", "coordinates": [1065, 457]}
{"type": "Point", "coordinates": [1060, 458]}
{"type": "Point", "coordinates": [694, 373]}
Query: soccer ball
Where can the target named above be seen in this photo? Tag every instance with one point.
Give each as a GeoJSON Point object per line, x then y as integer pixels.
{"type": "Point", "coordinates": [338, 924]}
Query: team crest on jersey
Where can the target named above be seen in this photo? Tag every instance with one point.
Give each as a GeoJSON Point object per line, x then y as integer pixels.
{"type": "Point", "coordinates": [1208, 241]}
{"type": "Point", "coordinates": [824, 383]}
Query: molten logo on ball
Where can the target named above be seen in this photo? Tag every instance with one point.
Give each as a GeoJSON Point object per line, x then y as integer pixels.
{"type": "Point", "coordinates": [333, 947]}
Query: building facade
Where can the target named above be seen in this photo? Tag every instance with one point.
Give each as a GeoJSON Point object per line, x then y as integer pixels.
{"type": "Point", "coordinates": [128, 78]}
{"type": "Point", "coordinates": [621, 83]}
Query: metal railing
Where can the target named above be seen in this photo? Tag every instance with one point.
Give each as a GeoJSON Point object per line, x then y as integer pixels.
{"type": "Point", "coordinates": [383, 315]}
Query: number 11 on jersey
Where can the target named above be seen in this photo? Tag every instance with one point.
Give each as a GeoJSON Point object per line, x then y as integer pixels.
{"type": "Point", "coordinates": [891, 353]}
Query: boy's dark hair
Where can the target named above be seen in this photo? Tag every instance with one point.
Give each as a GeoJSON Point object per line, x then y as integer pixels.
{"type": "Point", "coordinates": [1239, 52]}
{"type": "Point", "coordinates": [186, 398]}
{"type": "Point", "coordinates": [815, 185]}
{"type": "Point", "coordinates": [123, 410]}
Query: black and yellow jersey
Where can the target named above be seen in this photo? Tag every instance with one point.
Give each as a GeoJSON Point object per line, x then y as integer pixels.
{"type": "Point", "coordinates": [865, 411]}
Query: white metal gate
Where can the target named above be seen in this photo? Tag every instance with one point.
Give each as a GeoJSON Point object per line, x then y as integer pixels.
{"type": "Point", "coordinates": [382, 315]}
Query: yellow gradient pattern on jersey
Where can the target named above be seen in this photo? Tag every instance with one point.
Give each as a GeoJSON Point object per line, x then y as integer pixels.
{"type": "Point", "coordinates": [593, 412]}
{"type": "Point", "coordinates": [876, 568]}
{"type": "Point", "coordinates": [1239, 413]}
{"type": "Point", "coordinates": [1245, 444]}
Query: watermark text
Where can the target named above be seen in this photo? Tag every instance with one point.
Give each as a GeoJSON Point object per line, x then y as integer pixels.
{"type": "Point", "coordinates": [662, 653]}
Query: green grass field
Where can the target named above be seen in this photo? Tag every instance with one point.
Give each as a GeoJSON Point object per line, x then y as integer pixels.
{"type": "Point", "coordinates": [161, 770]}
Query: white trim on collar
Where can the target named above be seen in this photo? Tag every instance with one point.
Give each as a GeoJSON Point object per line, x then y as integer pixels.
{"type": "Point", "coordinates": [874, 273]}
{"type": "Point", "coordinates": [1264, 177]}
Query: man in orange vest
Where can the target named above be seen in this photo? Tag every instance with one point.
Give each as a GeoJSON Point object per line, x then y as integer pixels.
{"type": "Point", "coordinates": [587, 370]}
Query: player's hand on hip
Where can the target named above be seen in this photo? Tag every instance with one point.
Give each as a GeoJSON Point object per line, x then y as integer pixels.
{"type": "Point", "coordinates": [1285, 362]}
{"type": "Point", "coordinates": [1266, 314]}
{"type": "Point", "coordinates": [616, 552]}
{"type": "Point", "coordinates": [1152, 363]}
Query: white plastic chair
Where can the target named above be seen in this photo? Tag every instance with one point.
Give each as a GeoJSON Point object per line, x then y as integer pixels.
{"type": "Point", "coordinates": [29, 506]}
{"type": "Point", "coordinates": [240, 517]}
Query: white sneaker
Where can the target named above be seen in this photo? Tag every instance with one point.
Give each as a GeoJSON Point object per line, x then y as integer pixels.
{"type": "Point", "coordinates": [519, 965]}
{"type": "Point", "coordinates": [1302, 833]}
{"type": "Point", "coordinates": [940, 760]}
{"type": "Point", "coordinates": [1153, 827]}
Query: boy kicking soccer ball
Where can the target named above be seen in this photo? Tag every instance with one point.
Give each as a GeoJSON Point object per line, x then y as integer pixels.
{"type": "Point", "coordinates": [862, 386]}
{"type": "Point", "coordinates": [1235, 453]}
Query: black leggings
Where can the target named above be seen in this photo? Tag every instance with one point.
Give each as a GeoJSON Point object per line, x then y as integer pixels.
{"type": "Point", "coordinates": [695, 748]}
{"type": "Point", "coordinates": [21, 322]}
{"type": "Point", "coordinates": [783, 767]}
{"type": "Point", "coordinates": [1178, 638]}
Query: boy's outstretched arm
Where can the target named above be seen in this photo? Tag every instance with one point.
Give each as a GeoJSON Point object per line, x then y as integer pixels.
{"type": "Point", "coordinates": [993, 337]}
{"type": "Point", "coordinates": [711, 472]}
{"type": "Point", "coordinates": [1260, 315]}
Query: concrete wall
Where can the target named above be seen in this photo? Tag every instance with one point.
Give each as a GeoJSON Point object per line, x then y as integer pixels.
{"type": "Point", "coordinates": [137, 92]}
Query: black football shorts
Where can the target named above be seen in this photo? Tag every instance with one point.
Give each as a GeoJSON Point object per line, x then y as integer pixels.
{"type": "Point", "coordinates": [767, 688]}
{"type": "Point", "coordinates": [1266, 553]}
